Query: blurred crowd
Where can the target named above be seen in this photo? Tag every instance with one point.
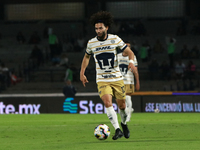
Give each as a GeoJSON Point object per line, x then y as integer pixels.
{"type": "Point", "coordinates": [179, 65]}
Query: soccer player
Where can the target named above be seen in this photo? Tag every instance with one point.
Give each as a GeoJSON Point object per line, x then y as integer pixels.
{"type": "Point", "coordinates": [109, 79]}
{"type": "Point", "coordinates": [128, 78]}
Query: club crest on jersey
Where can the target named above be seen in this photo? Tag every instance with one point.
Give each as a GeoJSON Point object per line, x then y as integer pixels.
{"type": "Point", "coordinates": [103, 48]}
{"type": "Point", "coordinates": [112, 41]}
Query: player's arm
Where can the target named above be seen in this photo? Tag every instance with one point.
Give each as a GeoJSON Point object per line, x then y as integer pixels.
{"type": "Point", "coordinates": [136, 75]}
{"type": "Point", "coordinates": [128, 52]}
{"type": "Point", "coordinates": [84, 65]}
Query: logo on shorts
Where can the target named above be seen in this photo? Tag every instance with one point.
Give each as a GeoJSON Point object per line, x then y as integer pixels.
{"type": "Point", "coordinates": [102, 86]}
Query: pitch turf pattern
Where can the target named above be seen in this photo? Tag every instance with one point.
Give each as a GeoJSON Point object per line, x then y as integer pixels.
{"type": "Point", "coordinates": [153, 131]}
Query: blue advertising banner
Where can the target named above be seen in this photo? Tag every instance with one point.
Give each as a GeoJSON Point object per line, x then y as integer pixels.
{"type": "Point", "coordinates": [92, 104]}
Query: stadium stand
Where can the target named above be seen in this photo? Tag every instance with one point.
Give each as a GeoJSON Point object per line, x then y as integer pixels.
{"type": "Point", "coordinates": [48, 78]}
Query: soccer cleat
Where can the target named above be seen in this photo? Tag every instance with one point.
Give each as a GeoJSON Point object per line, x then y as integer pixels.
{"type": "Point", "coordinates": [118, 134]}
{"type": "Point", "coordinates": [125, 130]}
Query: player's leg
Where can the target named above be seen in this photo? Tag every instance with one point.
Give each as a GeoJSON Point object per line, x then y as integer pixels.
{"type": "Point", "coordinates": [112, 115]}
{"type": "Point", "coordinates": [124, 111]}
{"type": "Point", "coordinates": [105, 93]}
{"type": "Point", "coordinates": [129, 89]}
{"type": "Point", "coordinates": [129, 106]}
{"type": "Point", "coordinates": [119, 93]}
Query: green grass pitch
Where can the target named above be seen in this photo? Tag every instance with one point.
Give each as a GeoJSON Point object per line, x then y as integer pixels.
{"type": "Point", "coordinates": [149, 131]}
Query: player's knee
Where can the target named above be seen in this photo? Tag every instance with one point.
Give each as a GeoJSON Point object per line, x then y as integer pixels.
{"type": "Point", "coordinates": [107, 103]}
{"type": "Point", "coordinates": [122, 106]}
{"type": "Point", "coordinates": [107, 100]}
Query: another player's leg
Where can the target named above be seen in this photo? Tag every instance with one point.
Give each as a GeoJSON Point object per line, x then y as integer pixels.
{"type": "Point", "coordinates": [129, 106]}
{"type": "Point", "coordinates": [124, 111]}
{"type": "Point", "coordinates": [112, 115]}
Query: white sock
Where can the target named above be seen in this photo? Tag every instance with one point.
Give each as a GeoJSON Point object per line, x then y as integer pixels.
{"type": "Point", "coordinates": [128, 102]}
{"type": "Point", "coordinates": [112, 116]}
{"type": "Point", "coordinates": [123, 114]}
{"type": "Point", "coordinates": [129, 106]}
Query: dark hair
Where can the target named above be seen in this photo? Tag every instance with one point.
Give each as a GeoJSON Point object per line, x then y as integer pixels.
{"type": "Point", "coordinates": [102, 17]}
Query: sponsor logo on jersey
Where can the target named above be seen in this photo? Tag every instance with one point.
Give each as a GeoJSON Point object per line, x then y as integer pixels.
{"type": "Point", "coordinates": [123, 61]}
{"type": "Point", "coordinates": [109, 76]}
{"type": "Point", "coordinates": [103, 48]}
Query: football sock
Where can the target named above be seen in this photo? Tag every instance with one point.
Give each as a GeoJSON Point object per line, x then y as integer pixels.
{"type": "Point", "coordinates": [129, 106]}
{"type": "Point", "coordinates": [123, 114]}
{"type": "Point", "coordinates": [128, 102]}
{"type": "Point", "coordinates": [112, 116]}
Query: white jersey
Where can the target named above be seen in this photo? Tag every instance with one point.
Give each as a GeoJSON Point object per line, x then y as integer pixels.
{"type": "Point", "coordinates": [105, 56]}
{"type": "Point", "coordinates": [128, 76]}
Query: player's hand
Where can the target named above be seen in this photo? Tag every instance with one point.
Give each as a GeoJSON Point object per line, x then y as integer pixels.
{"type": "Point", "coordinates": [137, 86]}
{"type": "Point", "coordinates": [131, 67]}
{"type": "Point", "coordinates": [83, 79]}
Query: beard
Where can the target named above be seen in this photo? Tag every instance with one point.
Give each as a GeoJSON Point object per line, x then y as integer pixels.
{"type": "Point", "coordinates": [102, 36]}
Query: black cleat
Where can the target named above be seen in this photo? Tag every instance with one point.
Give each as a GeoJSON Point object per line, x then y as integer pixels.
{"type": "Point", "coordinates": [125, 130]}
{"type": "Point", "coordinates": [118, 134]}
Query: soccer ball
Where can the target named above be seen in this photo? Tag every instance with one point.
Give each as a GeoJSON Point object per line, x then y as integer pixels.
{"type": "Point", "coordinates": [102, 132]}
{"type": "Point", "coordinates": [156, 110]}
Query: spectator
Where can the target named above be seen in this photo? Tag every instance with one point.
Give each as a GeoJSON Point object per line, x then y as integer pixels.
{"type": "Point", "coordinates": [53, 44]}
{"type": "Point", "coordinates": [4, 76]}
{"type": "Point", "coordinates": [37, 56]}
{"type": "Point", "coordinates": [14, 78]}
{"type": "Point", "coordinates": [194, 53]}
{"type": "Point", "coordinates": [81, 43]}
{"type": "Point", "coordinates": [149, 49]}
{"type": "Point", "coordinates": [179, 70]}
{"type": "Point", "coordinates": [190, 70]}
{"type": "Point", "coordinates": [75, 72]}
{"type": "Point", "coordinates": [185, 53]}
{"type": "Point", "coordinates": [20, 38]}
{"type": "Point", "coordinates": [68, 74]}
{"type": "Point", "coordinates": [69, 90]}
{"type": "Point", "coordinates": [64, 60]}
{"type": "Point", "coordinates": [171, 50]}
{"type": "Point", "coordinates": [55, 60]}
{"type": "Point", "coordinates": [34, 39]}
{"type": "Point", "coordinates": [143, 52]}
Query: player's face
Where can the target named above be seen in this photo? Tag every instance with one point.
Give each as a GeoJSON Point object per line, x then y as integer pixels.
{"type": "Point", "coordinates": [101, 31]}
